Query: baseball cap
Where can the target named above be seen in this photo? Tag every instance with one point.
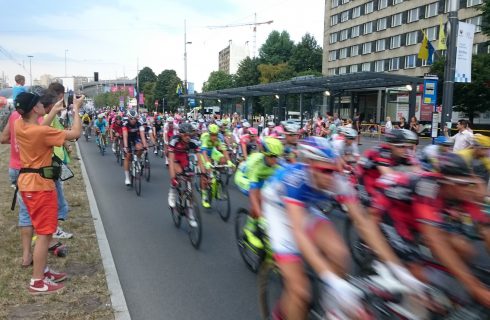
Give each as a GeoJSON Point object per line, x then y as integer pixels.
{"type": "Point", "coordinates": [25, 102]}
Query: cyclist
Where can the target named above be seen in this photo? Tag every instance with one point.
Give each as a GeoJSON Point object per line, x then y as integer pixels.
{"type": "Point", "coordinates": [157, 131]}
{"type": "Point", "coordinates": [101, 128]}
{"type": "Point", "coordinates": [178, 152]}
{"type": "Point", "coordinates": [133, 138]}
{"type": "Point", "coordinates": [291, 134]}
{"type": "Point", "coordinates": [430, 153]}
{"type": "Point", "coordinates": [346, 146]}
{"type": "Point", "coordinates": [267, 131]}
{"type": "Point", "coordinates": [292, 200]}
{"type": "Point", "coordinates": [432, 209]}
{"type": "Point", "coordinates": [169, 130]}
{"type": "Point", "coordinates": [116, 132]}
{"type": "Point", "coordinates": [212, 149]}
{"type": "Point", "coordinates": [86, 120]}
{"type": "Point", "coordinates": [477, 157]}
{"type": "Point", "coordinates": [249, 143]}
{"type": "Point", "coordinates": [250, 177]}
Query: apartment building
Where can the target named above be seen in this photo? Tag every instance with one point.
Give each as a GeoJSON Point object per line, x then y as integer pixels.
{"type": "Point", "coordinates": [385, 35]}
{"type": "Point", "coordinates": [230, 57]}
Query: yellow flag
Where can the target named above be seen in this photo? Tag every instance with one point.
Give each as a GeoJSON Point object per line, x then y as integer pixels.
{"type": "Point", "coordinates": [424, 49]}
{"type": "Point", "coordinates": [441, 42]}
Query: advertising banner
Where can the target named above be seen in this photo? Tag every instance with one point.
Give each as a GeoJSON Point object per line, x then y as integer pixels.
{"type": "Point", "coordinates": [190, 90]}
{"type": "Point", "coordinates": [141, 98]}
{"type": "Point", "coordinates": [130, 89]}
{"type": "Point", "coordinates": [466, 32]}
{"type": "Point", "coordinates": [426, 112]}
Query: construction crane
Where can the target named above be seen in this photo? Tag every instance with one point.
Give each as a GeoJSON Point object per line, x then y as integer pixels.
{"type": "Point", "coordinates": [254, 24]}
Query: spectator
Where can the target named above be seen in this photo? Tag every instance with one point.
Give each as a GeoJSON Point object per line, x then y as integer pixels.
{"type": "Point", "coordinates": [336, 120]}
{"type": "Point", "coordinates": [349, 123]}
{"type": "Point", "coordinates": [357, 126]}
{"type": "Point", "coordinates": [35, 185]}
{"type": "Point", "coordinates": [19, 87]}
{"type": "Point", "coordinates": [388, 125]}
{"type": "Point", "coordinates": [463, 139]}
{"type": "Point", "coordinates": [414, 125]}
{"type": "Point", "coordinates": [403, 124]}
{"type": "Point", "coordinates": [332, 127]}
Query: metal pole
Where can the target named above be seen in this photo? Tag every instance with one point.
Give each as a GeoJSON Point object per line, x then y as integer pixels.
{"type": "Point", "coordinates": [185, 65]}
{"type": "Point", "coordinates": [301, 109]}
{"type": "Point", "coordinates": [66, 50]}
{"type": "Point", "coordinates": [449, 70]}
{"type": "Point", "coordinates": [30, 68]}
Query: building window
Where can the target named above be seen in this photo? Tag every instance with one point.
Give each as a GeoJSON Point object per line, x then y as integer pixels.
{"type": "Point", "coordinates": [381, 24]}
{"type": "Point", "coordinates": [335, 3]}
{"type": "Point", "coordinates": [476, 21]}
{"type": "Point", "coordinates": [353, 68]}
{"type": "Point", "coordinates": [354, 31]}
{"type": "Point", "coordinates": [332, 55]}
{"type": "Point", "coordinates": [344, 34]}
{"type": "Point", "coordinates": [356, 12]}
{"type": "Point", "coordinates": [379, 66]}
{"type": "Point", "coordinates": [343, 53]}
{"type": "Point", "coordinates": [369, 7]}
{"type": "Point", "coordinates": [431, 33]}
{"type": "Point", "coordinates": [366, 66]}
{"type": "Point", "coordinates": [410, 61]}
{"type": "Point", "coordinates": [333, 37]}
{"type": "Point", "coordinates": [366, 47]}
{"type": "Point", "coordinates": [394, 64]}
{"type": "Point", "coordinates": [344, 16]}
{"type": "Point", "coordinates": [397, 1]}
{"type": "Point", "coordinates": [334, 19]}
{"type": "Point", "coordinates": [382, 4]}
{"type": "Point", "coordinates": [380, 45]}
{"type": "Point", "coordinates": [412, 38]}
{"type": "Point", "coordinates": [342, 70]}
{"type": "Point", "coordinates": [331, 71]}
{"type": "Point", "coordinates": [395, 42]}
{"type": "Point", "coordinates": [413, 15]}
{"type": "Point", "coordinates": [345, 1]}
{"type": "Point", "coordinates": [354, 51]}
{"type": "Point", "coordinates": [471, 3]}
{"type": "Point", "coordinates": [475, 48]}
{"type": "Point", "coordinates": [396, 19]}
{"type": "Point", "coordinates": [368, 27]}
{"type": "Point", "coordinates": [425, 63]}
{"type": "Point", "coordinates": [431, 9]}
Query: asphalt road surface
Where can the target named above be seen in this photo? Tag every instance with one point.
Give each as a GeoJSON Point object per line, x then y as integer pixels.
{"type": "Point", "coordinates": [162, 275]}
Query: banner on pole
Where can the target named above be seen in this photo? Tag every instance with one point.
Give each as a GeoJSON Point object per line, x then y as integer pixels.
{"type": "Point", "coordinates": [466, 32]}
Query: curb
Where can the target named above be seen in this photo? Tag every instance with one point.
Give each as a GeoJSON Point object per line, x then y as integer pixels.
{"type": "Point", "coordinates": [118, 300]}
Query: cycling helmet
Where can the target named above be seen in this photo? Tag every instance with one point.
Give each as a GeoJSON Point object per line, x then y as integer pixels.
{"type": "Point", "coordinates": [349, 133]}
{"type": "Point", "coordinates": [225, 122]}
{"type": "Point", "coordinates": [246, 124]}
{"type": "Point", "coordinates": [270, 124]}
{"type": "Point", "coordinates": [213, 129]}
{"type": "Point", "coordinates": [100, 116]}
{"type": "Point", "coordinates": [201, 120]}
{"type": "Point", "coordinates": [481, 141]}
{"type": "Point", "coordinates": [195, 125]}
{"type": "Point", "coordinates": [450, 165]}
{"type": "Point", "coordinates": [291, 128]}
{"type": "Point", "coordinates": [118, 118]}
{"type": "Point", "coordinates": [272, 147]}
{"type": "Point", "coordinates": [401, 136]}
{"type": "Point", "coordinates": [170, 119]}
{"type": "Point", "coordinates": [318, 148]}
{"type": "Point", "coordinates": [238, 125]}
{"type": "Point", "coordinates": [159, 118]}
{"type": "Point", "coordinates": [218, 123]}
{"type": "Point", "coordinates": [143, 120]}
{"type": "Point", "coordinates": [132, 114]}
{"type": "Point", "coordinates": [253, 131]}
{"type": "Point", "coordinates": [186, 128]}
{"type": "Point", "coordinates": [443, 141]}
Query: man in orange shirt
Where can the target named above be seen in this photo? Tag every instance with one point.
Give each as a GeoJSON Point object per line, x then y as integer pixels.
{"type": "Point", "coordinates": [38, 191]}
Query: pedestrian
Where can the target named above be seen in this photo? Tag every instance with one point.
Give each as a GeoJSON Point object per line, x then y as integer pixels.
{"type": "Point", "coordinates": [414, 125]}
{"type": "Point", "coordinates": [403, 124]}
{"type": "Point", "coordinates": [357, 127]}
{"type": "Point", "coordinates": [388, 125]}
{"type": "Point", "coordinates": [336, 120]}
{"type": "Point", "coordinates": [35, 182]}
{"type": "Point", "coordinates": [463, 139]}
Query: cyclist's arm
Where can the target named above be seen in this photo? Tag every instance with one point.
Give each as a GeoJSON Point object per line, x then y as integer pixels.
{"type": "Point", "coordinates": [143, 138]}
{"type": "Point", "coordinates": [243, 145]}
{"type": "Point", "coordinates": [171, 161]}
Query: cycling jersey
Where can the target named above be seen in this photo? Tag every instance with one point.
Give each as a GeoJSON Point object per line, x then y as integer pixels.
{"type": "Point", "coordinates": [158, 126]}
{"type": "Point", "coordinates": [169, 132]}
{"type": "Point", "coordinates": [343, 149]}
{"type": "Point", "coordinates": [86, 119]}
{"type": "Point", "coordinates": [293, 184]}
{"type": "Point", "coordinates": [251, 146]}
{"type": "Point", "coordinates": [181, 150]}
{"type": "Point", "coordinates": [117, 128]}
{"type": "Point", "coordinates": [101, 125]}
{"type": "Point", "coordinates": [251, 174]}
{"type": "Point", "coordinates": [133, 131]}
{"type": "Point", "coordinates": [207, 145]}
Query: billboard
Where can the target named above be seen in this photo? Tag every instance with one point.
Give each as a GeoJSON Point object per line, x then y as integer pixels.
{"type": "Point", "coordinates": [128, 88]}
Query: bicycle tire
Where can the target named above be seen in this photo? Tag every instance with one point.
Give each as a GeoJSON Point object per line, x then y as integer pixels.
{"type": "Point", "coordinates": [223, 201]}
{"type": "Point", "coordinates": [137, 180]}
{"type": "Point", "coordinates": [253, 260]}
{"type": "Point", "coordinates": [269, 281]}
{"type": "Point", "coordinates": [195, 233]}
{"type": "Point", "coordinates": [147, 169]}
{"type": "Point", "coordinates": [176, 216]}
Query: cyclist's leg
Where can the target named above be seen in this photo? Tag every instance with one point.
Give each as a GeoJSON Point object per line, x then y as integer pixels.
{"type": "Point", "coordinates": [295, 296]}
{"type": "Point", "coordinates": [172, 192]}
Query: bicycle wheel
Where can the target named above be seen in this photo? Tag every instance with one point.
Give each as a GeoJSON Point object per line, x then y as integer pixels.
{"type": "Point", "coordinates": [223, 204]}
{"type": "Point", "coordinates": [176, 216]}
{"type": "Point", "coordinates": [137, 178]}
{"type": "Point", "coordinates": [252, 257]}
{"type": "Point", "coordinates": [270, 288]}
{"type": "Point", "coordinates": [195, 233]}
{"type": "Point", "coordinates": [146, 169]}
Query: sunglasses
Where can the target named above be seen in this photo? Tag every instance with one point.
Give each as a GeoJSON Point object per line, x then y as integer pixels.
{"type": "Point", "coordinates": [324, 170]}
{"type": "Point", "coordinates": [213, 134]}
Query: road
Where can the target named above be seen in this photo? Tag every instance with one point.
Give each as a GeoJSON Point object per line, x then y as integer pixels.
{"type": "Point", "coordinates": [162, 275]}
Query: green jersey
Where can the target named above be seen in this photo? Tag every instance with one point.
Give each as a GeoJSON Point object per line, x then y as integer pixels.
{"type": "Point", "coordinates": [252, 173]}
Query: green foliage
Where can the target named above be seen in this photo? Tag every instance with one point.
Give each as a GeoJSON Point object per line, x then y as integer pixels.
{"type": "Point", "coordinates": [307, 55]}
{"type": "Point", "coordinates": [149, 91]}
{"type": "Point", "coordinates": [219, 80]}
{"type": "Point", "coordinates": [247, 73]}
{"type": "Point", "coordinates": [274, 73]}
{"type": "Point", "coordinates": [485, 8]}
{"type": "Point", "coordinates": [278, 48]}
{"type": "Point", "coordinates": [165, 88]}
{"type": "Point", "coordinates": [146, 75]}
{"type": "Point", "coordinates": [110, 99]}
{"type": "Point", "coordinates": [471, 98]}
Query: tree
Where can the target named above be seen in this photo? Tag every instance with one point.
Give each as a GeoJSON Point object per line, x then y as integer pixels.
{"type": "Point", "coordinates": [274, 73]}
{"type": "Point", "coordinates": [146, 75]}
{"type": "Point", "coordinates": [307, 55]}
{"type": "Point", "coordinates": [247, 73]}
{"type": "Point", "coordinates": [110, 99]}
{"type": "Point", "coordinates": [148, 90]}
{"type": "Point", "coordinates": [218, 80]}
{"type": "Point", "coordinates": [278, 48]}
{"type": "Point", "coordinates": [165, 88]}
{"type": "Point", "coordinates": [470, 98]}
{"type": "Point", "coordinates": [485, 25]}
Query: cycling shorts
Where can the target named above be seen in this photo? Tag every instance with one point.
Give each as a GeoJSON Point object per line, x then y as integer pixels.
{"type": "Point", "coordinates": [241, 181]}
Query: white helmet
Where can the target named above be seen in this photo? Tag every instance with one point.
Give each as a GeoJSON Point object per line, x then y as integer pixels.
{"type": "Point", "coordinates": [246, 125]}
{"type": "Point", "coordinates": [170, 119]}
{"type": "Point", "coordinates": [349, 133]}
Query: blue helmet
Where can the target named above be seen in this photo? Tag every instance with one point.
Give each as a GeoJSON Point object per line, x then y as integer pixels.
{"type": "Point", "coordinates": [318, 148]}
{"type": "Point", "coordinates": [443, 141]}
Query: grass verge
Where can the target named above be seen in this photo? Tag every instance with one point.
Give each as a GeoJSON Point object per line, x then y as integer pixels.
{"type": "Point", "coordinates": [86, 295]}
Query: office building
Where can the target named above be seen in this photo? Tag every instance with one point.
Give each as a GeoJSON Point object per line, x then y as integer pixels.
{"type": "Point", "coordinates": [231, 56]}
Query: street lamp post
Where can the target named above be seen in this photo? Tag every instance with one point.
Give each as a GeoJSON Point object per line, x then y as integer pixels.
{"type": "Point", "coordinates": [185, 65]}
{"type": "Point", "coordinates": [30, 68]}
{"type": "Point", "coordinates": [66, 50]}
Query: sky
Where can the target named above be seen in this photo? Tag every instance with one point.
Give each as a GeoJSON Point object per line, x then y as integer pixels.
{"type": "Point", "coordinates": [115, 37]}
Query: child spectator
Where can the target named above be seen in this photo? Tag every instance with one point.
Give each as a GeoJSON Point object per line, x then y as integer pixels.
{"type": "Point", "coordinates": [20, 81]}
